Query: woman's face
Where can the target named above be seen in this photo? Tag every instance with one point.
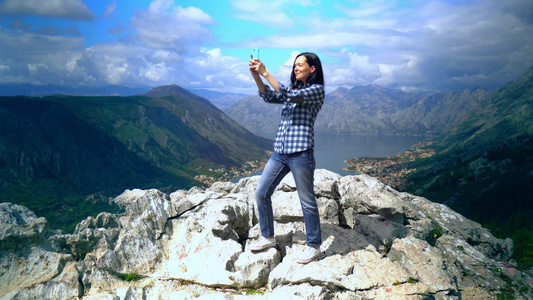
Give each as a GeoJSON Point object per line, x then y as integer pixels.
{"type": "Point", "coordinates": [302, 70]}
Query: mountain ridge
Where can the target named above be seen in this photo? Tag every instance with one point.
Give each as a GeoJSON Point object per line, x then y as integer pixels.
{"type": "Point", "coordinates": [512, 103]}
{"type": "Point", "coordinates": [370, 110]}
{"type": "Point", "coordinates": [66, 146]}
{"type": "Point", "coordinates": [34, 90]}
{"type": "Point", "coordinates": [482, 168]}
{"type": "Point", "coordinates": [222, 100]}
{"type": "Point", "coordinates": [175, 90]}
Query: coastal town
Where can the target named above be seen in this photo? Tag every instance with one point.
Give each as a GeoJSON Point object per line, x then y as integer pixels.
{"type": "Point", "coordinates": [223, 174]}
{"type": "Point", "coordinates": [391, 170]}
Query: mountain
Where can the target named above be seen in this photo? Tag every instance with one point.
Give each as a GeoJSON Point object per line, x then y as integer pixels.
{"type": "Point", "coordinates": [363, 110]}
{"type": "Point", "coordinates": [438, 113]}
{"type": "Point", "coordinates": [378, 243]}
{"type": "Point", "coordinates": [254, 114]}
{"type": "Point", "coordinates": [484, 165]}
{"type": "Point", "coordinates": [219, 99]}
{"type": "Point", "coordinates": [49, 90]}
{"type": "Point", "coordinates": [371, 110]}
{"type": "Point", "coordinates": [56, 150]}
{"type": "Point", "coordinates": [499, 119]}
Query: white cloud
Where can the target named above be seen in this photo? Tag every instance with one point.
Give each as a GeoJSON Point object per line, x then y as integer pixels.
{"type": "Point", "coordinates": [269, 14]}
{"type": "Point", "coordinates": [152, 57]}
{"type": "Point", "coordinates": [430, 45]}
{"type": "Point", "coordinates": [311, 40]}
{"type": "Point", "coordinates": [165, 49]}
{"type": "Point", "coordinates": [155, 72]}
{"type": "Point", "coordinates": [65, 9]}
{"type": "Point", "coordinates": [284, 71]}
{"type": "Point", "coordinates": [215, 70]}
{"type": "Point", "coordinates": [275, 14]}
{"type": "Point", "coordinates": [358, 71]}
{"type": "Point", "coordinates": [110, 9]}
{"type": "Point", "coordinates": [425, 45]}
{"type": "Point", "coordinates": [35, 57]}
{"type": "Point", "coordinates": [158, 6]}
{"type": "Point", "coordinates": [212, 53]}
{"type": "Point", "coordinates": [179, 29]}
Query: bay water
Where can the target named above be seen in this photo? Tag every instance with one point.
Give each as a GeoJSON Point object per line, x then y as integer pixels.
{"type": "Point", "coordinates": [331, 150]}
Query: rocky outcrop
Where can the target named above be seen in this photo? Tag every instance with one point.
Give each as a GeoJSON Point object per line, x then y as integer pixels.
{"type": "Point", "coordinates": [379, 244]}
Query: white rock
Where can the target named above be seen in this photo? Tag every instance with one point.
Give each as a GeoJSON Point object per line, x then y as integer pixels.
{"type": "Point", "coordinates": [192, 244]}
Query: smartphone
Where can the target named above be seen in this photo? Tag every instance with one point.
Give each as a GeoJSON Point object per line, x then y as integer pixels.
{"type": "Point", "coordinates": [254, 51]}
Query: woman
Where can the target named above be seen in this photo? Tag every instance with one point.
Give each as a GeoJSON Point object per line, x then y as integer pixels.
{"type": "Point", "coordinates": [293, 147]}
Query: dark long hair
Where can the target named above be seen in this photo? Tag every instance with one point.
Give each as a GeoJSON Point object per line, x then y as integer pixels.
{"type": "Point", "coordinates": [315, 77]}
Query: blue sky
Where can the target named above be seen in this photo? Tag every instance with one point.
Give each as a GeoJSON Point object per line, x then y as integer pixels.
{"type": "Point", "coordinates": [411, 45]}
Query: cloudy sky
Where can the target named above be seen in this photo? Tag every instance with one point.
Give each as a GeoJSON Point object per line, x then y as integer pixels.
{"type": "Point", "coordinates": [415, 45]}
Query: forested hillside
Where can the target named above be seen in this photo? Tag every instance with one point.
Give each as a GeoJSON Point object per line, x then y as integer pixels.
{"type": "Point", "coordinates": [484, 166]}
{"type": "Point", "coordinates": [63, 156]}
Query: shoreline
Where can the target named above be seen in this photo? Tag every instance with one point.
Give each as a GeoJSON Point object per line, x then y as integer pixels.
{"type": "Point", "coordinates": [223, 174]}
{"type": "Point", "coordinates": [391, 170]}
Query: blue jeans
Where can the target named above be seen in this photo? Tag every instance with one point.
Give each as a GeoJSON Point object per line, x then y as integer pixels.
{"type": "Point", "coordinates": [302, 166]}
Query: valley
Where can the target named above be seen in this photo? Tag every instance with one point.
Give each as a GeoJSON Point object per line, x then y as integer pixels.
{"type": "Point", "coordinates": [66, 156]}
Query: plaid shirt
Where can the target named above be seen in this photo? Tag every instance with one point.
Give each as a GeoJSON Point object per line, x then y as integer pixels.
{"type": "Point", "coordinates": [300, 108]}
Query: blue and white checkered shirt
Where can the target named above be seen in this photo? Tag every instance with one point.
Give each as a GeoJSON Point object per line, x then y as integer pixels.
{"type": "Point", "coordinates": [298, 115]}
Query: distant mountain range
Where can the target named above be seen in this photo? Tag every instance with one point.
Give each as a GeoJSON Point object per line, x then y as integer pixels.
{"type": "Point", "coordinates": [55, 150]}
{"type": "Point", "coordinates": [370, 110]}
{"type": "Point", "coordinates": [49, 90]}
{"type": "Point", "coordinates": [219, 99]}
{"type": "Point", "coordinates": [222, 100]}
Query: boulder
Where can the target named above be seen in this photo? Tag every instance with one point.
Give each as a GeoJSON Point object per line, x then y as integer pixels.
{"type": "Point", "coordinates": [193, 244]}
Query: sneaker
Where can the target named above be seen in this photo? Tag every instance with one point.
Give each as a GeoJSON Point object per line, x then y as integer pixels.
{"type": "Point", "coordinates": [263, 243]}
{"type": "Point", "coordinates": [308, 255]}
